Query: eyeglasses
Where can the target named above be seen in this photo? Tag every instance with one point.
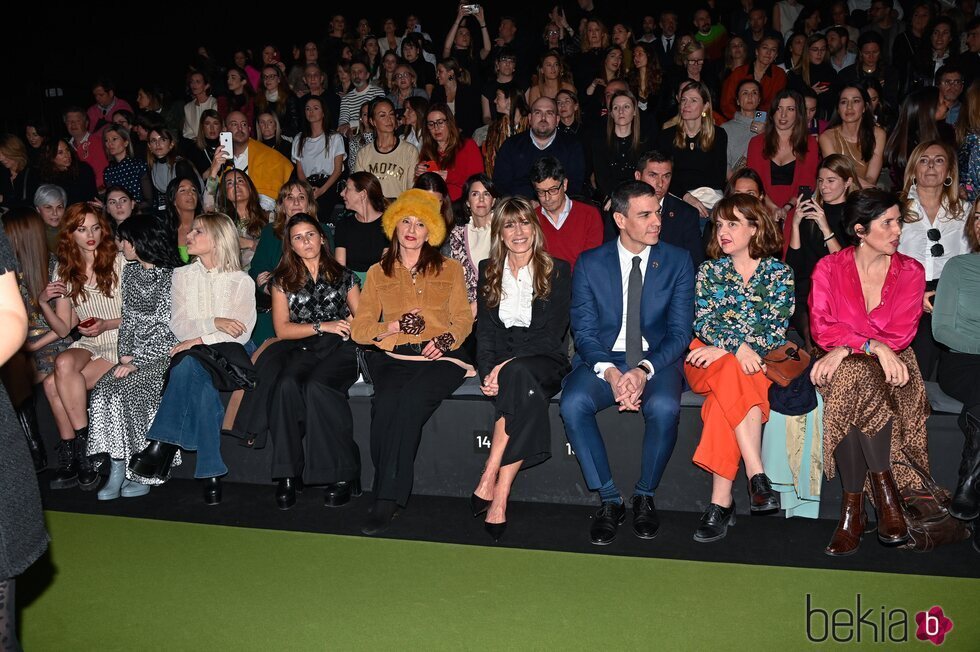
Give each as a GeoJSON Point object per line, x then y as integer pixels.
{"type": "Point", "coordinates": [402, 75]}
{"type": "Point", "coordinates": [695, 62]}
{"type": "Point", "coordinates": [935, 235]}
{"type": "Point", "coordinates": [432, 124]}
{"type": "Point", "coordinates": [552, 32]}
{"type": "Point", "coordinates": [551, 192]}
{"type": "Point", "coordinates": [952, 82]}
{"type": "Point", "coordinates": [270, 76]}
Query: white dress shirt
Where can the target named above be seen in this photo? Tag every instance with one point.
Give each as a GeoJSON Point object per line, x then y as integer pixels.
{"type": "Point", "coordinates": [559, 220]}
{"type": "Point", "coordinates": [516, 296]}
{"type": "Point", "coordinates": [625, 267]}
{"type": "Point", "coordinates": [915, 241]}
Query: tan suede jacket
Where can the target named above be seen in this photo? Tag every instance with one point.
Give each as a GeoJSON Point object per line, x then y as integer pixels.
{"type": "Point", "coordinates": [441, 299]}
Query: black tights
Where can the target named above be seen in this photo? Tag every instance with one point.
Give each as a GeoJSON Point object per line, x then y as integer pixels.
{"type": "Point", "coordinates": [857, 453]}
{"type": "Point", "coordinates": [8, 626]}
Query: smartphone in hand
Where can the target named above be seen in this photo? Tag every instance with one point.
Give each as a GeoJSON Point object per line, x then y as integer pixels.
{"type": "Point", "coordinates": [224, 139]}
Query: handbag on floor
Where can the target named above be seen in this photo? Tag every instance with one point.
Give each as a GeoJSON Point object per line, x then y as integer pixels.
{"type": "Point", "coordinates": [926, 514]}
{"type": "Point", "coordinates": [785, 363]}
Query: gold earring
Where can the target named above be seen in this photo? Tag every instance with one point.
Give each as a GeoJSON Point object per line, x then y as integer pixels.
{"type": "Point", "coordinates": [704, 114]}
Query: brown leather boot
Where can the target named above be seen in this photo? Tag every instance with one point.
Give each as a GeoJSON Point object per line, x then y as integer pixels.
{"type": "Point", "coordinates": [847, 536]}
{"type": "Point", "coordinates": [888, 504]}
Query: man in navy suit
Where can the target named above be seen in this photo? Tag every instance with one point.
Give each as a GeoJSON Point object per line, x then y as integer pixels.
{"type": "Point", "coordinates": [631, 315]}
{"type": "Point", "coordinates": [680, 224]}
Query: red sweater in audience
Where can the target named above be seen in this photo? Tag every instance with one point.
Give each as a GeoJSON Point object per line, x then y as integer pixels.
{"type": "Point", "coordinates": [581, 230]}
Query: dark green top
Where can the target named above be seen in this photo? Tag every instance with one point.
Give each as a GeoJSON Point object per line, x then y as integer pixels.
{"type": "Point", "coordinates": [956, 306]}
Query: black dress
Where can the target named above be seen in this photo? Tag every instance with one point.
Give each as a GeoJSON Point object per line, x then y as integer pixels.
{"type": "Point", "coordinates": [540, 362]}
{"type": "Point", "coordinates": [805, 259]}
{"type": "Point", "coordinates": [300, 399]}
{"type": "Point", "coordinates": [693, 167]}
{"type": "Point", "coordinates": [613, 163]}
{"type": "Point", "coordinates": [364, 242]}
{"type": "Point", "coordinates": [22, 535]}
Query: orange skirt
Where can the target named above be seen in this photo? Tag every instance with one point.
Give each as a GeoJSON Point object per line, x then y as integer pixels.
{"type": "Point", "coordinates": [729, 395]}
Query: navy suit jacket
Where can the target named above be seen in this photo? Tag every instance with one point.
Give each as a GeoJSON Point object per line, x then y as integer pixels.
{"type": "Point", "coordinates": [667, 304]}
{"type": "Point", "coordinates": [681, 227]}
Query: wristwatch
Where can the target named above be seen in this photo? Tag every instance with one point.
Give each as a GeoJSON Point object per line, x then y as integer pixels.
{"type": "Point", "coordinates": [646, 366]}
{"type": "Point", "coordinates": [316, 328]}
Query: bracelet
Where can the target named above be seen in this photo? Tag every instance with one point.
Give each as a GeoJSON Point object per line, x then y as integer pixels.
{"type": "Point", "coordinates": [867, 348]}
{"type": "Point", "coordinates": [483, 26]}
{"type": "Point", "coordinates": [829, 238]}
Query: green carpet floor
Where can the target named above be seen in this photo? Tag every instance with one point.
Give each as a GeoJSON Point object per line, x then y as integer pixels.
{"type": "Point", "coordinates": [133, 584]}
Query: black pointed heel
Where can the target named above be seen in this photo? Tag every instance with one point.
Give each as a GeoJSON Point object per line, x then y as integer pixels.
{"type": "Point", "coordinates": [479, 505]}
{"type": "Point", "coordinates": [495, 530]}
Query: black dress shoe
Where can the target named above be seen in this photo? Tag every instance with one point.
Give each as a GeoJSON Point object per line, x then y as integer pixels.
{"type": "Point", "coordinates": [380, 517]}
{"type": "Point", "coordinates": [479, 505]}
{"type": "Point", "coordinates": [154, 461]}
{"type": "Point", "coordinates": [715, 522]}
{"type": "Point", "coordinates": [762, 499]}
{"type": "Point", "coordinates": [212, 491]}
{"type": "Point", "coordinates": [338, 494]}
{"type": "Point", "coordinates": [646, 523]}
{"type": "Point", "coordinates": [495, 530]}
{"type": "Point", "coordinates": [286, 492]}
{"type": "Point", "coordinates": [606, 523]}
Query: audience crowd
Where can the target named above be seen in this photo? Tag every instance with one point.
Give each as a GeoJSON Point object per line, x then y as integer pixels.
{"type": "Point", "coordinates": [615, 207]}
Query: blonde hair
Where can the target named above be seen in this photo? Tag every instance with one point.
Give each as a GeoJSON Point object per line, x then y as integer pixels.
{"type": "Point", "coordinates": [951, 193]}
{"type": "Point", "coordinates": [707, 133]}
{"type": "Point", "coordinates": [226, 253]}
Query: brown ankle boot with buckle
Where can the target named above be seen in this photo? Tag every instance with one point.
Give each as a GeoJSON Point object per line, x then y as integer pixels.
{"type": "Point", "coordinates": [892, 530]}
{"type": "Point", "coordinates": [850, 528]}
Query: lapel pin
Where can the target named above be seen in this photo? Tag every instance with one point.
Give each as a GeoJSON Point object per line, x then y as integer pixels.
{"type": "Point", "coordinates": [655, 264]}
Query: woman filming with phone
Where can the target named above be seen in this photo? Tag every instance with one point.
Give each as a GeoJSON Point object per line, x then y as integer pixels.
{"type": "Point", "coordinates": [818, 229]}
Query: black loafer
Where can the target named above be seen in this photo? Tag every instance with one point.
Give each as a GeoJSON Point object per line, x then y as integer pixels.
{"type": "Point", "coordinates": [762, 498]}
{"type": "Point", "coordinates": [212, 491]}
{"type": "Point", "coordinates": [286, 492]}
{"type": "Point", "coordinates": [606, 523]}
{"type": "Point", "coordinates": [646, 523]}
{"type": "Point", "coordinates": [338, 494]}
{"type": "Point", "coordinates": [380, 517]}
{"type": "Point", "coordinates": [715, 522]}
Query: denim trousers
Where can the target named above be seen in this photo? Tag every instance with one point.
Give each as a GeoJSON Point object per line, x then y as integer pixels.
{"type": "Point", "coordinates": [190, 416]}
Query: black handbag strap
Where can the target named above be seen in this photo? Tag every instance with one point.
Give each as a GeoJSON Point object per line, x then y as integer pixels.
{"type": "Point", "coordinates": [793, 353]}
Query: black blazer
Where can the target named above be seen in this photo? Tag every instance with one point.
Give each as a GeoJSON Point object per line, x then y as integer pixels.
{"type": "Point", "coordinates": [545, 335]}
{"type": "Point", "coordinates": [680, 225]}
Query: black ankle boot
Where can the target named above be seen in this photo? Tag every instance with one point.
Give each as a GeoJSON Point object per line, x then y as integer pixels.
{"type": "Point", "coordinates": [212, 491]}
{"type": "Point", "coordinates": [66, 476]}
{"type": "Point", "coordinates": [88, 474]}
{"type": "Point", "coordinates": [154, 461]}
{"type": "Point", "coordinates": [966, 499]}
{"type": "Point", "coordinates": [27, 415]}
{"type": "Point", "coordinates": [380, 517]}
{"type": "Point", "coordinates": [286, 492]}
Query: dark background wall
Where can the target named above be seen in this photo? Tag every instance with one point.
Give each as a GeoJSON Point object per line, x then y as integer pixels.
{"type": "Point", "coordinates": [47, 45]}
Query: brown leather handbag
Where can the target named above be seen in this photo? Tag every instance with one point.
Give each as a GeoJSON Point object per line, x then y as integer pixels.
{"type": "Point", "coordinates": [926, 514]}
{"type": "Point", "coordinates": [784, 364]}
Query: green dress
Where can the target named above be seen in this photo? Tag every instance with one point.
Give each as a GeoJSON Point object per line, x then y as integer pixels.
{"type": "Point", "coordinates": [268, 253]}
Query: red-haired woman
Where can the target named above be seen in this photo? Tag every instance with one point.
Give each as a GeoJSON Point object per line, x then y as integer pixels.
{"type": "Point", "coordinates": [87, 301]}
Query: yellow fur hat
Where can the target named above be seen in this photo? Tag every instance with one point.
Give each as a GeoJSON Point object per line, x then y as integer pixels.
{"type": "Point", "coordinates": [420, 204]}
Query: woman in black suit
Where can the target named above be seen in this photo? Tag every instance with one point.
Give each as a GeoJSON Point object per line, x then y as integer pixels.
{"type": "Point", "coordinates": [522, 315]}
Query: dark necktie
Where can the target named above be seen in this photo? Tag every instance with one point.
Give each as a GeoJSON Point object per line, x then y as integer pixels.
{"type": "Point", "coordinates": [670, 44]}
{"type": "Point", "coordinates": [634, 339]}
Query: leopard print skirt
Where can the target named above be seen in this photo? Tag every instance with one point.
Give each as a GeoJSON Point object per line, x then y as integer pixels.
{"type": "Point", "coordinates": [859, 396]}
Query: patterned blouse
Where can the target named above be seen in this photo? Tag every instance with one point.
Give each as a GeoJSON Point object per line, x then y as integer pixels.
{"type": "Point", "coordinates": [322, 301]}
{"type": "Point", "coordinates": [729, 312]}
{"type": "Point", "coordinates": [969, 160]}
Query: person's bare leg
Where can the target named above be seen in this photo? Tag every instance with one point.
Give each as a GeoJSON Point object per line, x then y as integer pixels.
{"type": "Point", "coordinates": [73, 384]}
{"type": "Point", "coordinates": [65, 430]}
{"type": "Point", "coordinates": [748, 434]}
{"type": "Point", "coordinates": [485, 488]}
{"type": "Point", "coordinates": [505, 480]}
{"type": "Point", "coordinates": [721, 490]}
